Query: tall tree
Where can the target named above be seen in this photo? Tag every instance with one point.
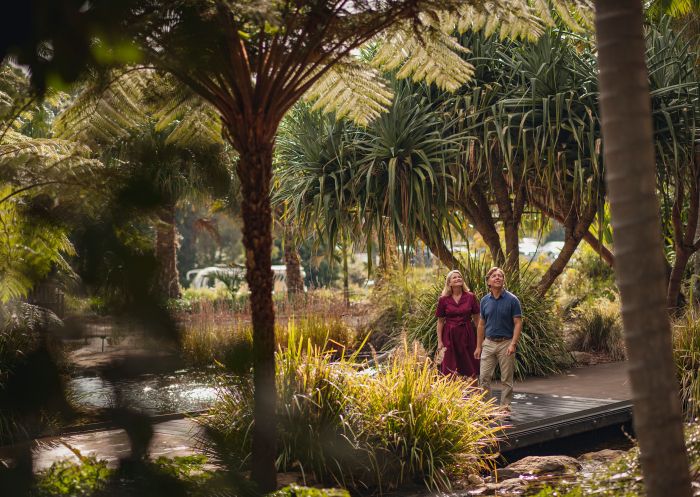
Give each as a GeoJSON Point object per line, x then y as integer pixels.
{"type": "Point", "coordinates": [639, 266]}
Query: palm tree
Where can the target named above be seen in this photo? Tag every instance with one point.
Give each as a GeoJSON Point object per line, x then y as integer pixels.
{"type": "Point", "coordinates": [639, 266]}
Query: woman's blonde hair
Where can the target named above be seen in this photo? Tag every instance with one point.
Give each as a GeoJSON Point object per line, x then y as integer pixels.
{"type": "Point", "coordinates": [448, 289]}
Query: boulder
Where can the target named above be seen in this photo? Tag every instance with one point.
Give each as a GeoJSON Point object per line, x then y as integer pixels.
{"type": "Point", "coordinates": [582, 357]}
{"type": "Point", "coordinates": [539, 465]}
{"type": "Point", "coordinates": [602, 456]}
{"type": "Point", "coordinates": [508, 486]}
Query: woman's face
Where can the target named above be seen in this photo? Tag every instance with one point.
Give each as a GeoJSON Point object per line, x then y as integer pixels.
{"type": "Point", "coordinates": [456, 280]}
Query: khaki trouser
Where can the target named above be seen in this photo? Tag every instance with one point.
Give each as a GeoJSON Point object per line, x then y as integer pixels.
{"type": "Point", "coordinates": [493, 353]}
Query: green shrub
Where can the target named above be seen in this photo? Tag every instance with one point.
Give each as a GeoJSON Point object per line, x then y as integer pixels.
{"type": "Point", "coordinates": [357, 430]}
{"type": "Point", "coordinates": [297, 491]}
{"type": "Point", "coordinates": [397, 296]}
{"type": "Point", "coordinates": [686, 353]}
{"type": "Point", "coordinates": [541, 349]}
{"type": "Point", "coordinates": [90, 475]}
{"type": "Point", "coordinates": [421, 425]}
{"type": "Point", "coordinates": [586, 278]}
{"type": "Point", "coordinates": [73, 479]}
{"type": "Point", "coordinates": [598, 328]}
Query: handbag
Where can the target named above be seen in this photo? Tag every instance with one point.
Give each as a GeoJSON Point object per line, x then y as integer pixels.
{"type": "Point", "coordinates": [440, 355]}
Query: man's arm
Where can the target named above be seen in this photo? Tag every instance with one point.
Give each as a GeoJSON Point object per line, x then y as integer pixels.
{"type": "Point", "coordinates": [480, 332]}
{"type": "Point", "coordinates": [517, 329]}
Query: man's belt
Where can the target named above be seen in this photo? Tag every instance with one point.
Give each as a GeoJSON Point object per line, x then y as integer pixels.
{"type": "Point", "coordinates": [499, 339]}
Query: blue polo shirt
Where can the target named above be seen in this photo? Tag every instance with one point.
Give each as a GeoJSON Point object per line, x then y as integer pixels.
{"type": "Point", "coordinates": [498, 314]}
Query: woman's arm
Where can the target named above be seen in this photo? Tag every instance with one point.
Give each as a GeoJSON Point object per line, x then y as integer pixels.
{"type": "Point", "coordinates": [440, 325]}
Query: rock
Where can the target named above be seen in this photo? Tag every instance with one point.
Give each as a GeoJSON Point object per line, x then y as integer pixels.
{"type": "Point", "coordinates": [511, 485]}
{"type": "Point", "coordinates": [475, 480]}
{"type": "Point", "coordinates": [582, 357]}
{"type": "Point", "coordinates": [539, 465]}
{"type": "Point", "coordinates": [602, 456]}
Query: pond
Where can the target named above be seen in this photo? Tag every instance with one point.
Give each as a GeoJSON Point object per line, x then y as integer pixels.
{"type": "Point", "coordinates": [180, 391]}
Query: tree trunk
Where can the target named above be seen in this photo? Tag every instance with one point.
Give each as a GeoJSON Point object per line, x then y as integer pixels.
{"type": "Point", "coordinates": [599, 248]}
{"type": "Point", "coordinates": [166, 254]}
{"type": "Point", "coordinates": [639, 261]}
{"type": "Point", "coordinates": [440, 250]}
{"type": "Point", "coordinates": [510, 217]}
{"type": "Point", "coordinates": [295, 282]}
{"type": "Point", "coordinates": [478, 212]}
{"type": "Point", "coordinates": [676, 279]}
{"type": "Point", "coordinates": [255, 172]}
{"type": "Point", "coordinates": [574, 235]}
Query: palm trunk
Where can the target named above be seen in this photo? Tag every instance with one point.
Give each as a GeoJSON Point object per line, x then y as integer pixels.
{"type": "Point", "coordinates": [639, 264]}
{"type": "Point", "coordinates": [295, 282]}
{"type": "Point", "coordinates": [166, 254]}
{"type": "Point", "coordinates": [255, 172]}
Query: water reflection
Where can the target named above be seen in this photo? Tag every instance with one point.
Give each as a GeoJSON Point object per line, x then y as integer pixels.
{"type": "Point", "coordinates": [154, 394]}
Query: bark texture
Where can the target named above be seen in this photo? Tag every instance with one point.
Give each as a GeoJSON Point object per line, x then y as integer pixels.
{"type": "Point", "coordinates": [639, 259]}
{"type": "Point", "coordinates": [166, 254]}
{"type": "Point", "coordinates": [295, 282]}
{"type": "Point", "coordinates": [255, 173]}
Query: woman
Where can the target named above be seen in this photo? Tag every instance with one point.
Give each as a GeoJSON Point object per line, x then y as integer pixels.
{"type": "Point", "coordinates": [455, 332]}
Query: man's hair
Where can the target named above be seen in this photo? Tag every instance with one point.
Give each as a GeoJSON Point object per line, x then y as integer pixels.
{"type": "Point", "coordinates": [491, 271]}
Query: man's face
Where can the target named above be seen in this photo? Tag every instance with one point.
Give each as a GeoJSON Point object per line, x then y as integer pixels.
{"type": "Point", "coordinates": [496, 279]}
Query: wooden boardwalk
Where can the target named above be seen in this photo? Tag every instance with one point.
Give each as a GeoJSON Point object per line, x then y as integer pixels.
{"type": "Point", "coordinates": [536, 418]}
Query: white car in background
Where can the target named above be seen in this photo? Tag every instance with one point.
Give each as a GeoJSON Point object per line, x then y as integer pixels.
{"type": "Point", "coordinates": [208, 277]}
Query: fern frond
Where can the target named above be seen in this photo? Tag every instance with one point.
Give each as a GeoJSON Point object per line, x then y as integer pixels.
{"type": "Point", "coordinates": [429, 55]}
{"type": "Point", "coordinates": [108, 110]}
{"type": "Point", "coordinates": [352, 90]}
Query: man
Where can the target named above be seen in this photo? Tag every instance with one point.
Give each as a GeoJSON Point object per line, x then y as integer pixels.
{"type": "Point", "coordinates": [498, 332]}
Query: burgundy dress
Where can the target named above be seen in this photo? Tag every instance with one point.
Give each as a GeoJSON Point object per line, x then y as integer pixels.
{"type": "Point", "coordinates": [458, 334]}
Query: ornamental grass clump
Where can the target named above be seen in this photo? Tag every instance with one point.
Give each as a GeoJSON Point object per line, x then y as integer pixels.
{"type": "Point", "coordinates": [423, 426]}
{"type": "Point", "coordinates": [541, 349]}
{"type": "Point", "coordinates": [686, 354]}
{"type": "Point", "coordinates": [365, 430]}
{"type": "Point", "coordinates": [598, 328]}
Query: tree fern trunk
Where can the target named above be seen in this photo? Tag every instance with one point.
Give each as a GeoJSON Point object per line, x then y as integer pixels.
{"type": "Point", "coordinates": [639, 260]}
{"type": "Point", "coordinates": [255, 172]}
{"type": "Point", "coordinates": [295, 282]}
{"type": "Point", "coordinates": [166, 254]}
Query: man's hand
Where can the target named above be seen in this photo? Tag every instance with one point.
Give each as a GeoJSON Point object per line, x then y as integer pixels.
{"type": "Point", "coordinates": [511, 348]}
{"type": "Point", "coordinates": [477, 353]}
